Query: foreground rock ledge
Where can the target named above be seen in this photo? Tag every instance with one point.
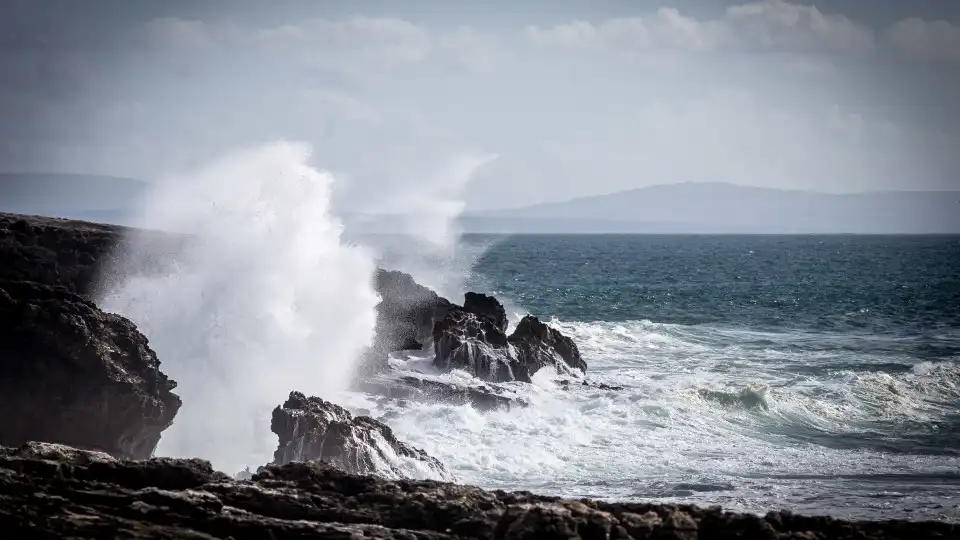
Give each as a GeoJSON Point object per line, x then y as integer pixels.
{"type": "Point", "coordinates": [54, 491]}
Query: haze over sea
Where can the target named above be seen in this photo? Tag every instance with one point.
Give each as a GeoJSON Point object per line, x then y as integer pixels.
{"type": "Point", "coordinates": [815, 373]}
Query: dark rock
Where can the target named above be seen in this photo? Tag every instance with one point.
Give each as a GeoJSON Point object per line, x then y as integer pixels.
{"type": "Point", "coordinates": [462, 340]}
{"type": "Point", "coordinates": [72, 374]}
{"type": "Point", "coordinates": [565, 384]}
{"type": "Point", "coordinates": [313, 429]}
{"type": "Point", "coordinates": [52, 493]}
{"type": "Point", "coordinates": [72, 254]}
{"type": "Point", "coordinates": [538, 345]}
{"type": "Point", "coordinates": [486, 307]}
{"type": "Point", "coordinates": [475, 341]}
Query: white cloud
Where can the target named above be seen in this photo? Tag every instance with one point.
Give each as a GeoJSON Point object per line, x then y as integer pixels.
{"type": "Point", "coordinates": [768, 26]}
{"type": "Point", "coordinates": [387, 101]}
{"type": "Point", "coordinates": [932, 40]}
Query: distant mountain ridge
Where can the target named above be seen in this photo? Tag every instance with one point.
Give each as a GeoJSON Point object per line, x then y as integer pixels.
{"type": "Point", "coordinates": [688, 208]}
{"type": "Point", "coordinates": [720, 208]}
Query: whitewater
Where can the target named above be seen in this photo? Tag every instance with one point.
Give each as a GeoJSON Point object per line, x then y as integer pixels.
{"type": "Point", "coordinates": [271, 294]}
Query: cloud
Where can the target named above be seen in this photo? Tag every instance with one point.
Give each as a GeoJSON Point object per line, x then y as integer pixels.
{"type": "Point", "coordinates": [769, 26]}
{"type": "Point", "coordinates": [770, 93]}
{"type": "Point", "coordinates": [927, 40]}
{"type": "Point", "coordinates": [357, 45]}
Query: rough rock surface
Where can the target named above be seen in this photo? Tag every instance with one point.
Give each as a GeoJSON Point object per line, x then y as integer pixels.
{"type": "Point", "coordinates": [475, 344]}
{"type": "Point", "coordinates": [405, 318]}
{"type": "Point", "coordinates": [486, 307]}
{"type": "Point", "coordinates": [72, 253]}
{"type": "Point", "coordinates": [73, 374]}
{"type": "Point", "coordinates": [406, 312]}
{"type": "Point", "coordinates": [313, 429]}
{"type": "Point", "coordinates": [474, 339]}
{"type": "Point", "coordinates": [538, 345]}
{"type": "Point", "coordinates": [52, 492]}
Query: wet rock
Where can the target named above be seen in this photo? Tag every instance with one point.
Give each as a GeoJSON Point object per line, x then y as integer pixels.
{"type": "Point", "coordinates": [486, 307]}
{"type": "Point", "coordinates": [462, 340]}
{"type": "Point", "coordinates": [313, 429]}
{"type": "Point", "coordinates": [58, 494]}
{"type": "Point", "coordinates": [483, 397]}
{"type": "Point", "coordinates": [72, 374]}
{"type": "Point", "coordinates": [73, 254]}
{"type": "Point", "coordinates": [538, 345]}
{"type": "Point", "coordinates": [475, 341]}
{"type": "Point", "coordinates": [405, 318]}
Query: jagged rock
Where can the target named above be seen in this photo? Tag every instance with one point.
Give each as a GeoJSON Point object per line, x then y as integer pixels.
{"type": "Point", "coordinates": [486, 307]}
{"type": "Point", "coordinates": [405, 318]}
{"type": "Point", "coordinates": [313, 429]}
{"type": "Point", "coordinates": [52, 494]}
{"type": "Point", "coordinates": [538, 345]}
{"type": "Point", "coordinates": [72, 374]}
{"type": "Point", "coordinates": [462, 340]}
{"type": "Point", "coordinates": [474, 340]}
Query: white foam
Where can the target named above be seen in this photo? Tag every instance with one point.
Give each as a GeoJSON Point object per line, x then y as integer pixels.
{"type": "Point", "coordinates": [586, 441]}
{"type": "Point", "coordinates": [265, 299]}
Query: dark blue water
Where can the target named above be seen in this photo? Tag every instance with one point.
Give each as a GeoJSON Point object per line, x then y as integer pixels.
{"type": "Point", "coordinates": [899, 286]}
{"type": "Point", "coordinates": [820, 374]}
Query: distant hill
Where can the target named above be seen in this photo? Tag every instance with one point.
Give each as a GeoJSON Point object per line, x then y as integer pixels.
{"type": "Point", "coordinates": [689, 208]}
{"type": "Point", "coordinates": [78, 196]}
{"type": "Point", "coordinates": [717, 208]}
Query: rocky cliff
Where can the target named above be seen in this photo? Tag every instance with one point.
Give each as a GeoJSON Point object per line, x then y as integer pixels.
{"type": "Point", "coordinates": [73, 374]}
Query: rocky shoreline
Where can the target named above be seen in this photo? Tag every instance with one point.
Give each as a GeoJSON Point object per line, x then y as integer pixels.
{"type": "Point", "coordinates": [86, 402]}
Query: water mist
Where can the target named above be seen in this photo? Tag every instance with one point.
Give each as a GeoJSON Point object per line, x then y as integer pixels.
{"type": "Point", "coordinates": [264, 298]}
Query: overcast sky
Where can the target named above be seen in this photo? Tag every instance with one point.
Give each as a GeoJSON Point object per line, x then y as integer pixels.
{"type": "Point", "coordinates": [574, 98]}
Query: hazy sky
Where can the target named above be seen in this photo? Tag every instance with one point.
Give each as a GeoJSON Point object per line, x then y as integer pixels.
{"type": "Point", "coordinates": [575, 98]}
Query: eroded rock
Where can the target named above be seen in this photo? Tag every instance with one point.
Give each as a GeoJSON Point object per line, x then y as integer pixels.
{"type": "Point", "coordinates": [73, 374]}
{"type": "Point", "coordinates": [538, 345]}
{"type": "Point", "coordinates": [311, 428]}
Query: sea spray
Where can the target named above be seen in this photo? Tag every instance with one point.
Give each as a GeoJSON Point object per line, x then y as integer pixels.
{"type": "Point", "coordinates": [424, 232]}
{"type": "Point", "coordinates": [263, 298]}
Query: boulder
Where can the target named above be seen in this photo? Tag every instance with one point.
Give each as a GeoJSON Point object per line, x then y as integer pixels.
{"type": "Point", "coordinates": [310, 428]}
{"type": "Point", "coordinates": [538, 345]}
{"type": "Point", "coordinates": [59, 493]}
{"type": "Point", "coordinates": [72, 374]}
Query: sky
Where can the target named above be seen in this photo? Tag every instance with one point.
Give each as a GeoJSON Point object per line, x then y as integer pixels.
{"type": "Point", "coordinates": [556, 100]}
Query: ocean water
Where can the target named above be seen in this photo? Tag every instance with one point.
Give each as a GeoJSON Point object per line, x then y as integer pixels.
{"type": "Point", "coordinates": [817, 374]}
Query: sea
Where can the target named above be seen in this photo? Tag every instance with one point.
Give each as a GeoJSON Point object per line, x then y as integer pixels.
{"type": "Point", "coordinates": [819, 374]}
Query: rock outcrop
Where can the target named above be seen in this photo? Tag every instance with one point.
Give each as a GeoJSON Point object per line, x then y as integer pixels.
{"type": "Point", "coordinates": [406, 312]}
{"type": "Point", "coordinates": [52, 492]}
{"type": "Point", "coordinates": [71, 254]}
{"type": "Point", "coordinates": [71, 373]}
{"type": "Point", "coordinates": [538, 345]}
{"type": "Point", "coordinates": [475, 344]}
{"type": "Point", "coordinates": [473, 338]}
{"type": "Point", "coordinates": [310, 428]}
